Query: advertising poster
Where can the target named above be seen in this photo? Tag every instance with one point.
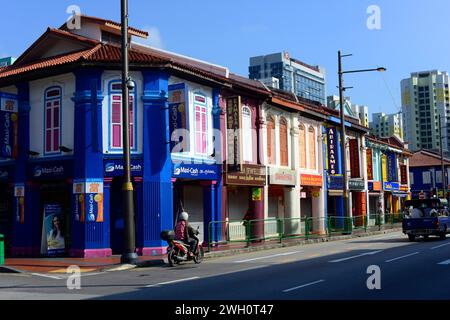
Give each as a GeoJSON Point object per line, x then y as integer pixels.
{"type": "Point", "coordinates": [178, 115]}
{"type": "Point", "coordinates": [53, 236]}
{"type": "Point", "coordinates": [88, 201]}
{"type": "Point", "coordinates": [94, 201]}
{"type": "Point", "coordinates": [19, 198]}
{"type": "Point", "coordinates": [8, 127]}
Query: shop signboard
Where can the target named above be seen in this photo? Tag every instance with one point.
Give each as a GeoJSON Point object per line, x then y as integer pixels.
{"type": "Point", "coordinates": [311, 180]}
{"type": "Point", "coordinates": [251, 175]}
{"type": "Point", "coordinates": [50, 170]}
{"type": "Point", "coordinates": [178, 117]}
{"type": "Point", "coordinates": [332, 146]}
{"type": "Point", "coordinates": [356, 185]}
{"type": "Point", "coordinates": [374, 186]}
{"type": "Point", "coordinates": [8, 126]}
{"type": "Point", "coordinates": [391, 186]}
{"type": "Point", "coordinates": [196, 171]}
{"type": "Point", "coordinates": [335, 182]}
{"type": "Point", "coordinates": [115, 167]}
{"type": "Point", "coordinates": [279, 176]}
{"type": "Point", "coordinates": [53, 233]}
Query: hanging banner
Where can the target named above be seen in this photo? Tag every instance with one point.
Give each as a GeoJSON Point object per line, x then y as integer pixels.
{"type": "Point", "coordinates": [53, 235]}
{"type": "Point", "coordinates": [369, 155]}
{"type": "Point", "coordinates": [391, 167]}
{"type": "Point", "coordinates": [8, 126]}
{"type": "Point", "coordinates": [178, 116]}
{"type": "Point", "coordinates": [234, 133]}
{"type": "Point", "coordinates": [403, 174]}
{"type": "Point", "coordinates": [354, 158]}
{"type": "Point", "coordinates": [383, 168]}
{"type": "Point", "coordinates": [332, 145]}
{"type": "Point", "coordinates": [19, 198]}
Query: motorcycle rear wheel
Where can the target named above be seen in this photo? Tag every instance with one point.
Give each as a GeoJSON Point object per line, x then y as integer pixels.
{"type": "Point", "coordinates": [171, 258]}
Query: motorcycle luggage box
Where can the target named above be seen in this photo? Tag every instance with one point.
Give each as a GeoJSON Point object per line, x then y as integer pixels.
{"type": "Point", "coordinates": [167, 235]}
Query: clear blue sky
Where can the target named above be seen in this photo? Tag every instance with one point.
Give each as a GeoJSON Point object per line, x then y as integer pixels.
{"type": "Point", "coordinates": [413, 36]}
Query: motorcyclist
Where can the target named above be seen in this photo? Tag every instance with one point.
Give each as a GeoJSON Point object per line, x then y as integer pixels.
{"type": "Point", "coordinates": [184, 232]}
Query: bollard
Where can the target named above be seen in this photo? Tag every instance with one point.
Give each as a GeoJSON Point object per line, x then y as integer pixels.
{"type": "Point", "coordinates": [2, 250]}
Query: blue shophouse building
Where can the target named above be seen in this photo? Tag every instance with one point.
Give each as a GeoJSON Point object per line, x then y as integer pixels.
{"type": "Point", "coordinates": [61, 143]}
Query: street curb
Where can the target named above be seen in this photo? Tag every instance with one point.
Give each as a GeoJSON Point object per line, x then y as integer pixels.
{"type": "Point", "coordinates": [4, 269]}
{"type": "Point", "coordinates": [232, 252]}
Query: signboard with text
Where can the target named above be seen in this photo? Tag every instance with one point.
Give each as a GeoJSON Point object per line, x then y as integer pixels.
{"type": "Point", "coordinates": [250, 175]}
{"type": "Point", "coordinates": [311, 180]}
{"type": "Point", "coordinates": [234, 133]}
{"type": "Point", "coordinates": [196, 171]}
{"type": "Point", "coordinates": [9, 121]}
{"type": "Point", "coordinates": [115, 167]}
{"type": "Point", "coordinates": [332, 146]}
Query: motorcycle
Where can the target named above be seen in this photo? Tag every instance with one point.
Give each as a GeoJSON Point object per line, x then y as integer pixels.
{"type": "Point", "coordinates": [179, 251]}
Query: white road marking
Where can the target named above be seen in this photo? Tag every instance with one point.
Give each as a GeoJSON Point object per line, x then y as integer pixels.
{"type": "Point", "coordinates": [47, 276]}
{"type": "Point", "coordinates": [357, 256]}
{"type": "Point", "coordinates": [442, 245]}
{"type": "Point", "coordinates": [405, 256]}
{"type": "Point", "coordinates": [446, 262]}
{"type": "Point", "coordinates": [171, 282]}
{"type": "Point", "coordinates": [302, 286]}
{"type": "Point", "coordinates": [268, 257]}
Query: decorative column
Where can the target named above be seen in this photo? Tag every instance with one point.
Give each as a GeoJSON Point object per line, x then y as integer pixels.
{"type": "Point", "coordinates": [157, 197]}
{"type": "Point", "coordinates": [89, 238]}
{"type": "Point", "coordinates": [292, 194]}
{"type": "Point", "coordinates": [26, 208]}
{"type": "Point", "coordinates": [219, 137]}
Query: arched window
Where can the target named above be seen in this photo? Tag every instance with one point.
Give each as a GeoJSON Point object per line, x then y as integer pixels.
{"type": "Point", "coordinates": [312, 148]}
{"type": "Point", "coordinates": [115, 116]}
{"type": "Point", "coordinates": [247, 141]}
{"type": "Point", "coordinates": [284, 161]}
{"type": "Point", "coordinates": [201, 124]}
{"type": "Point", "coordinates": [302, 146]}
{"type": "Point", "coordinates": [270, 140]}
{"type": "Point", "coordinates": [52, 135]}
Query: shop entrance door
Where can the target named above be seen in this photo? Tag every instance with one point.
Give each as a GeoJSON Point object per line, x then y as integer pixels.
{"type": "Point", "coordinates": [58, 193]}
{"type": "Point", "coordinates": [6, 215]}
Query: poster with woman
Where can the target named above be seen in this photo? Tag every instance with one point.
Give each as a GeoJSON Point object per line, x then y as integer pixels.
{"type": "Point", "coordinates": [53, 230]}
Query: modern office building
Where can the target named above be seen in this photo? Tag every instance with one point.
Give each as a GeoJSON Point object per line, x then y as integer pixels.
{"type": "Point", "coordinates": [425, 96]}
{"type": "Point", "coordinates": [387, 125]}
{"type": "Point", "coordinates": [293, 75]}
{"type": "Point", "coordinates": [4, 62]}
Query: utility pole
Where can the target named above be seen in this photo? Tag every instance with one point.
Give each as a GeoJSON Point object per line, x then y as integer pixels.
{"type": "Point", "coordinates": [343, 136]}
{"type": "Point", "coordinates": [129, 255]}
{"type": "Point", "coordinates": [443, 175]}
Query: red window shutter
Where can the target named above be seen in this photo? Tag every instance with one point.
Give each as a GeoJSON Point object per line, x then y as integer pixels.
{"type": "Point", "coordinates": [271, 141]}
{"type": "Point", "coordinates": [283, 143]}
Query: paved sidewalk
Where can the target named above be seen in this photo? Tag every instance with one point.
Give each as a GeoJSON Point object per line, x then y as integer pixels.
{"type": "Point", "coordinates": [60, 265]}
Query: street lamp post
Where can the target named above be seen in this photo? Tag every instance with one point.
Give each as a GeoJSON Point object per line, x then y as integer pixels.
{"type": "Point", "coordinates": [443, 175]}
{"type": "Point", "coordinates": [343, 134]}
{"type": "Point", "coordinates": [129, 255]}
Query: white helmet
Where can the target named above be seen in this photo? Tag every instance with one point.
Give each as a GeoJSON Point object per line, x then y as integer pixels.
{"type": "Point", "coordinates": [184, 216]}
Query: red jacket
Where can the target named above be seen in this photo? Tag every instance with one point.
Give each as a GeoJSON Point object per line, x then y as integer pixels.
{"type": "Point", "coordinates": [180, 230]}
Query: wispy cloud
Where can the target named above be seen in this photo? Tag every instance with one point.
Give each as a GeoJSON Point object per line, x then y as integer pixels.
{"type": "Point", "coordinates": [154, 39]}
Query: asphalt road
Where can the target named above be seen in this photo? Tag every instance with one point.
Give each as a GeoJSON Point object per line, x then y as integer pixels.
{"type": "Point", "coordinates": [326, 271]}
